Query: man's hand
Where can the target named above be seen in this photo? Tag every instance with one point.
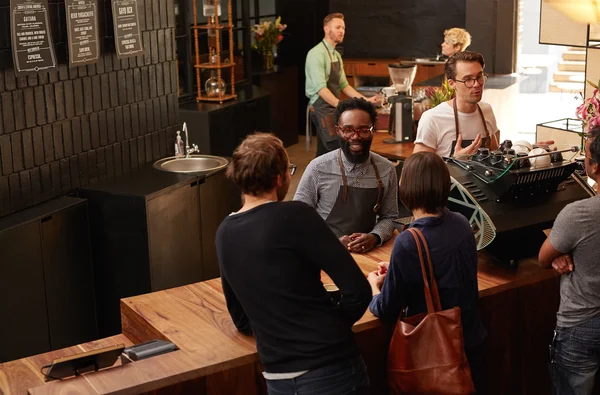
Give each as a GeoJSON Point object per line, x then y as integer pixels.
{"type": "Point", "coordinates": [563, 264]}
{"type": "Point", "coordinates": [383, 267]}
{"type": "Point", "coordinates": [376, 281]}
{"type": "Point", "coordinates": [345, 240]}
{"type": "Point", "coordinates": [362, 242]}
{"type": "Point", "coordinates": [468, 150]}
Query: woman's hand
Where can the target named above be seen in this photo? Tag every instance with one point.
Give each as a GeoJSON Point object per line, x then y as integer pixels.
{"type": "Point", "coordinates": [376, 281]}
{"type": "Point", "coordinates": [383, 267]}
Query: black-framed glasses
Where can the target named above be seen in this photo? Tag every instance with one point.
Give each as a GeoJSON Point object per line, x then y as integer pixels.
{"type": "Point", "coordinates": [470, 82]}
{"type": "Point", "coordinates": [348, 131]}
{"type": "Point", "coordinates": [292, 168]}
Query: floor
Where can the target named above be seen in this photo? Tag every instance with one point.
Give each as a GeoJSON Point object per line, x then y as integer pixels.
{"type": "Point", "coordinates": [516, 115]}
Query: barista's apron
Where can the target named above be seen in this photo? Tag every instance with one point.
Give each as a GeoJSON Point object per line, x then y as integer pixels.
{"type": "Point", "coordinates": [485, 141]}
{"type": "Point", "coordinates": [322, 111]}
{"type": "Point", "coordinates": [355, 209]}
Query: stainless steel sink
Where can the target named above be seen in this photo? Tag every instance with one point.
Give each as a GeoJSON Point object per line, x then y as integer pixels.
{"type": "Point", "coordinates": [193, 164]}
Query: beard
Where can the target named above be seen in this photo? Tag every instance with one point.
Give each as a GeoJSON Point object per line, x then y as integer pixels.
{"type": "Point", "coordinates": [282, 191]}
{"type": "Point", "coordinates": [354, 157]}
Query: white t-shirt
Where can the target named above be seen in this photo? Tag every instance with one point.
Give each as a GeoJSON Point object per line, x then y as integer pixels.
{"type": "Point", "coordinates": [437, 130]}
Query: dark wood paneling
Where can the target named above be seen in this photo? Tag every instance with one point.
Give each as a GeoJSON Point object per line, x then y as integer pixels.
{"type": "Point", "coordinates": [22, 294]}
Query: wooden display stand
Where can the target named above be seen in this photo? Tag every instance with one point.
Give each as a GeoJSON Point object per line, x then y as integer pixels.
{"type": "Point", "coordinates": [215, 25]}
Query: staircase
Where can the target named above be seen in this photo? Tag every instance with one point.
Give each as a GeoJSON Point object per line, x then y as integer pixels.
{"type": "Point", "coordinates": [570, 76]}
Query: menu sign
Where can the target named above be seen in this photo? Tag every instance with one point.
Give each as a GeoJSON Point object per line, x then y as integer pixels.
{"type": "Point", "coordinates": [82, 27]}
{"type": "Point", "coordinates": [31, 39]}
{"type": "Point", "coordinates": [128, 39]}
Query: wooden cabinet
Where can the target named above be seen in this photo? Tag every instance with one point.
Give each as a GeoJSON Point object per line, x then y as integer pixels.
{"type": "Point", "coordinates": [358, 70]}
{"type": "Point", "coordinates": [154, 230]}
{"type": "Point", "coordinates": [46, 282]}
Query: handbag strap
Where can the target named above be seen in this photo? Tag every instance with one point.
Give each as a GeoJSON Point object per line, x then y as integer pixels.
{"type": "Point", "coordinates": [432, 296]}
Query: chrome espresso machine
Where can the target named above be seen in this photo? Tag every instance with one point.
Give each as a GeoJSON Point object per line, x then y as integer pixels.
{"type": "Point", "coordinates": [401, 125]}
{"type": "Point", "coordinates": [510, 196]}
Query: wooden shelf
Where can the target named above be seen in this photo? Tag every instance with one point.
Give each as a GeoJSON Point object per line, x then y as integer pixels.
{"type": "Point", "coordinates": [214, 66]}
{"type": "Point", "coordinates": [208, 27]}
{"type": "Point", "coordinates": [219, 99]}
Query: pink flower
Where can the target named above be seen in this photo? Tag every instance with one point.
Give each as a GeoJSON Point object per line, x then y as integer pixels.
{"type": "Point", "coordinates": [260, 31]}
{"type": "Point", "coordinates": [282, 27]}
{"type": "Point", "coordinates": [594, 121]}
{"type": "Point", "coordinates": [279, 38]}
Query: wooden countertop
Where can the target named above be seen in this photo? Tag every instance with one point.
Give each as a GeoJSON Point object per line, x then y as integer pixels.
{"type": "Point", "coordinates": [195, 318]}
{"type": "Point", "coordinates": [399, 151]}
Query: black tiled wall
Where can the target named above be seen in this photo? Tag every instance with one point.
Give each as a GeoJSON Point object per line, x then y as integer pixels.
{"type": "Point", "coordinates": [63, 129]}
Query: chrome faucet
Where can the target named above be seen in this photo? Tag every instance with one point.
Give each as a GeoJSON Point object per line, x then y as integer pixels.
{"type": "Point", "coordinates": [188, 150]}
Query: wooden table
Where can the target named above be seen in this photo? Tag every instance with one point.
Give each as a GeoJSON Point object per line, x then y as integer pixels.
{"type": "Point", "coordinates": [517, 308]}
{"type": "Point", "coordinates": [399, 151]}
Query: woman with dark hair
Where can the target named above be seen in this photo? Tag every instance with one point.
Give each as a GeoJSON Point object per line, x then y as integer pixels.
{"type": "Point", "coordinates": [398, 284]}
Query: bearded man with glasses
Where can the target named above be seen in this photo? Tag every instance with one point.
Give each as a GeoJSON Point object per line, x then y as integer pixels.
{"type": "Point", "coordinates": [461, 125]}
{"type": "Point", "coordinates": [353, 189]}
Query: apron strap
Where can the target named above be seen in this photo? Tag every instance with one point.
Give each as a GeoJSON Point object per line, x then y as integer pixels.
{"type": "Point", "coordinates": [344, 179]}
{"type": "Point", "coordinates": [379, 187]}
{"type": "Point", "coordinates": [487, 133]}
{"type": "Point", "coordinates": [345, 182]}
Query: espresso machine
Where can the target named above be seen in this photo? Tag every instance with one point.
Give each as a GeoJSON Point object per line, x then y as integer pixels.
{"type": "Point", "coordinates": [401, 125]}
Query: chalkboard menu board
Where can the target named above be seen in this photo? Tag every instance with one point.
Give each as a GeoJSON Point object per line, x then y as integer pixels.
{"type": "Point", "coordinates": [128, 40]}
{"type": "Point", "coordinates": [82, 29]}
{"type": "Point", "coordinates": [33, 50]}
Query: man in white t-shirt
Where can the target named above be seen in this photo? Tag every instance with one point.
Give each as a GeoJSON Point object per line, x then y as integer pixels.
{"type": "Point", "coordinates": [465, 121]}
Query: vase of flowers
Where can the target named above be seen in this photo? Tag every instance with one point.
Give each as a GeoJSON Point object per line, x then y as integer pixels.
{"type": "Point", "coordinates": [267, 35]}
{"type": "Point", "coordinates": [435, 95]}
{"type": "Point", "coordinates": [589, 111]}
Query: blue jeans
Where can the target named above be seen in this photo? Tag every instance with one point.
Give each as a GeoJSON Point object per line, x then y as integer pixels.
{"type": "Point", "coordinates": [348, 376]}
{"type": "Point", "coordinates": [575, 357]}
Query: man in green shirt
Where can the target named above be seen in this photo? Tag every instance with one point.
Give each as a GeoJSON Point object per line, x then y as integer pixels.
{"type": "Point", "coordinates": [326, 80]}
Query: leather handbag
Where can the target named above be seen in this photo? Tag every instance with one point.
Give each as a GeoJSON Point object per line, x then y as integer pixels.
{"type": "Point", "coordinates": [426, 354]}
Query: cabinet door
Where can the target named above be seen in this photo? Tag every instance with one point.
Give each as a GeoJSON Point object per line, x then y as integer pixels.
{"type": "Point", "coordinates": [222, 131]}
{"type": "Point", "coordinates": [24, 328]}
{"type": "Point", "coordinates": [219, 197]}
{"type": "Point", "coordinates": [69, 278]}
{"type": "Point", "coordinates": [174, 238]}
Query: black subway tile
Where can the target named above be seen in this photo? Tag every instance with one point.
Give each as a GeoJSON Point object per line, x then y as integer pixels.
{"type": "Point", "coordinates": [67, 137]}
{"type": "Point", "coordinates": [59, 98]}
{"type": "Point", "coordinates": [171, 13]}
{"type": "Point", "coordinates": [29, 104]}
{"type": "Point", "coordinates": [172, 109]}
{"type": "Point", "coordinates": [25, 183]}
{"type": "Point", "coordinates": [48, 143]}
{"type": "Point", "coordinates": [148, 144]}
{"type": "Point", "coordinates": [83, 168]}
{"type": "Point", "coordinates": [6, 154]}
{"type": "Point", "coordinates": [108, 62]}
{"type": "Point", "coordinates": [7, 112]}
{"type": "Point", "coordinates": [69, 99]}
{"type": "Point", "coordinates": [38, 79]}
{"type": "Point", "coordinates": [63, 71]}
{"type": "Point", "coordinates": [53, 76]}
{"type": "Point", "coordinates": [160, 89]}
{"type": "Point", "coordinates": [116, 62]}
{"type": "Point", "coordinates": [36, 185]}
{"type": "Point", "coordinates": [4, 196]}
{"type": "Point", "coordinates": [86, 139]}
{"type": "Point", "coordinates": [160, 38]}
{"type": "Point", "coordinates": [133, 149]}
{"type": "Point", "coordinates": [157, 113]}
{"type": "Point", "coordinates": [50, 103]}
{"type": "Point", "coordinates": [21, 81]}
{"type": "Point", "coordinates": [119, 124]}
{"type": "Point", "coordinates": [130, 87]}
{"type": "Point", "coordinates": [10, 80]}
{"type": "Point", "coordinates": [125, 155]}
{"type": "Point", "coordinates": [2, 87]}
{"type": "Point", "coordinates": [113, 89]}
{"type": "Point", "coordinates": [17, 152]}
{"type": "Point", "coordinates": [110, 161]}
{"type": "Point", "coordinates": [111, 128]}
{"type": "Point", "coordinates": [82, 71]}
{"type": "Point", "coordinates": [74, 167]}
{"type": "Point", "coordinates": [154, 46]}
{"type": "Point", "coordinates": [38, 146]}
{"type": "Point", "coordinates": [91, 69]}
{"type": "Point", "coordinates": [118, 158]}
{"type": "Point", "coordinates": [145, 72]}
{"type": "Point", "coordinates": [105, 91]}
{"type": "Point", "coordinates": [137, 84]}
{"type": "Point", "coordinates": [142, 118]}
{"type": "Point", "coordinates": [40, 105]}
{"type": "Point", "coordinates": [102, 128]}
{"type": "Point", "coordinates": [14, 183]}
{"type": "Point", "coordinates": [155, 146]}
{"type": "Point", "coordinates": [19, 109]}
{"type": "Point", "coordinates": [46, 181]}
{"type": "Point", "coordinates": [59, 151]}
{"type": "Point", "coordinates": [56, 179]}
{"type": "Point", "coordinates": [122, 87]}
{"type": "Point", "coordinates": [141, 150]}
{"type": "Point", "coordinates": [65, 175]}
{"type": "Point", "coordinates": [28, 160]}
{"type": "Point", "coordinates": [94, 131]}
{"type": "Point", "coordinates": [147, 48]}
{"type": "Point", "coordinates": [174, 81]}
{"type": "Point", "coordinates": [141, 14]}
{"type": "Point", "coordinates": [164, 150]}
{"type": "Point", "coordinates": [88, 95]}
{"type": "Point", "coordinates": [101, 163]}
{"type": "Point", "coordinates": [92, 166]}
{"type": "Point", "coordinates": [135, 121]}
{"type": "Point", "coordinates": [148, 12]}
{"type": "Point", "coordinates": [166, 81]}
{"type": "Point", "coordinates": [156, 14]}
{"type": "Point", "coordinates": [78, 95]}
{"type": "Point", "coordinates": [164, 23]}
{"type": "Point", "coordinates": [164, 112]}
{"type": "Point", "coordinates": [96, 93]}
{"type": "Point", "coordinates": [127, 122]}
{"type": "Point", "coordinates": [150, 116]}
{"type": "Point", "coordinates": [76, 134]}
{"type": "Point", "coordinates": [169, 42]}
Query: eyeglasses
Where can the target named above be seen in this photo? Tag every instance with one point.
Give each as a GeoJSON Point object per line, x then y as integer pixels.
{"type": "Point", "coordinates": [470, 82]}
{"type": "Point", "coordinates": [348, 131]}
{"type": "Point", "coordinates": [292, 169]}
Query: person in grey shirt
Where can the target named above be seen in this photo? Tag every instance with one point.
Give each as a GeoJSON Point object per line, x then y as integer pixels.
{"type": "Point", "coordinates": [572, 249]}
{"type": "Point", "coordinates": [353, 189]}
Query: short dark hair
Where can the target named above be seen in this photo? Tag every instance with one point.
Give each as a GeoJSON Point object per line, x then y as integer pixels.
{"type": "Point", "coordinates": [329, 17]}
{"type": "Point", "coordinates": [464, 56]}
{"type": "Point", "coordinates": [355, 103]}
{"type": "Point", "coordinates": [257, 162]}
{"type": "Point", "coordinates": [425, 182]}
{"type": "Point", "coordinates": [595, 145]}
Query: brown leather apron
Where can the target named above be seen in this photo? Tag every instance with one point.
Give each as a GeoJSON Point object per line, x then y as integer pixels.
{"type": "Point", "coordinates": [355, 209]}
{"type": "Point", "coordinates": [485, 141]}
{"type": "Point", "coordinates": [322, 112]}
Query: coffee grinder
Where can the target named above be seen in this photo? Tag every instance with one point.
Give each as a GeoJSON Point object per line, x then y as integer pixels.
{"type": "Point", "coordinates": [401, 105]}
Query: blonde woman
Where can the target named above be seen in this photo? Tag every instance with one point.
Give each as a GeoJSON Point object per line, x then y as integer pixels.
{"type": "Point", "coordinates": [455, 40]}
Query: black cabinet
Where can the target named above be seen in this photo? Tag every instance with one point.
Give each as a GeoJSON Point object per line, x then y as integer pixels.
{"type": "Point", "coordinates": [153, 230]}
{"type": "Point", "coordinates": [46, 281]}
{"type": "Point", "coordinates": [219, 128]}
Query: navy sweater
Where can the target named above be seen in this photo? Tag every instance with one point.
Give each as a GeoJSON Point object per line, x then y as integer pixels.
{"type": "Point", "coordinates": [454, 259]}
{"type": "Point", "coordinates": [271, 259]}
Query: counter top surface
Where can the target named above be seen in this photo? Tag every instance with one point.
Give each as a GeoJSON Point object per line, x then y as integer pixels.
{"type": "Point", "coordinates": [244, 94]}
{"type": "Point", "coordinates": [195, 318]}
{"type": "Point", "coordinates": [399, 151]}
{"type": "Point", "coordinates": [146, 182]}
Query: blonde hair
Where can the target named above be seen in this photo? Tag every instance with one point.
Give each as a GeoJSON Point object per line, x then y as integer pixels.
{"type": "Point", "coordinates": [458, 36]}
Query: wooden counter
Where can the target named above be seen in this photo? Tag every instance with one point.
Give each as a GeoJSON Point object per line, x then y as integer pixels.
{"type": "Point", "coordinates": [399, 151]}
{"type": "Point", "coordinates": [517, 308]}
